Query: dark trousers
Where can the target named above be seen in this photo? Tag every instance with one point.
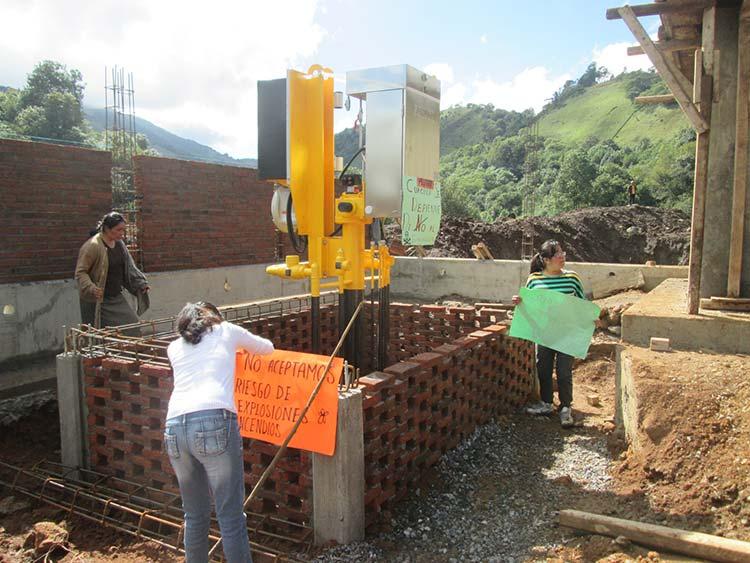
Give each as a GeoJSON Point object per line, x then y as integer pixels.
{"type": "Point", "coordinates": [631, 199]}
{"type": "Point", "coordinates": [546, 358]}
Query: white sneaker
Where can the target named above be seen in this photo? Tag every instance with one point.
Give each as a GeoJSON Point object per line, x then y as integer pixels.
{"type": "Point", "coordinates": [539, 408]}
{"type": "Point", "coordinates": [566, 417]}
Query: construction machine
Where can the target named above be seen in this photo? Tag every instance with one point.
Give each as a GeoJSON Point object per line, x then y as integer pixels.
{"type": "Point", "coordinates": [326, 212]}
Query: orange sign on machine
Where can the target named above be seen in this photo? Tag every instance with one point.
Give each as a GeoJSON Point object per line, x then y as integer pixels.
{"type": "Point", "coordinates": [271, 391]}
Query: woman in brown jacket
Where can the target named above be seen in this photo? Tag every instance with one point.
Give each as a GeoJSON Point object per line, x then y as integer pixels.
{"type": "Point", "coordinates": [103, 269]}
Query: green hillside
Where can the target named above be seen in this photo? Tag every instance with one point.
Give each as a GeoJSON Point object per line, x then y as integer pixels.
{"type": "Point", "coordinates": [604, 111]}
{"type": "Point", "coordinates": [171, 145]}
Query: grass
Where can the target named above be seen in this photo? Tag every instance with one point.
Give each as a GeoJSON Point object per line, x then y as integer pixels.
{"type": "Point", "coordinates": [604, 111]}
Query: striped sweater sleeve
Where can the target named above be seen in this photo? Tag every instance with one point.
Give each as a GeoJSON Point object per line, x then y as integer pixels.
{"type": "Point", "coordinates": [568, 282]}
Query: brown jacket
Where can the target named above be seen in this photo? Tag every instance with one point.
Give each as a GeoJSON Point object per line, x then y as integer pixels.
{"type": "Point", "coordinates": [92, 267]}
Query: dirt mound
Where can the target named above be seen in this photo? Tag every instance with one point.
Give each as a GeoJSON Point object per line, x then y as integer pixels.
{"type": "Point", "coordinates": [629, 235]}
{"type": "Point", "coordinates": [693, 453]}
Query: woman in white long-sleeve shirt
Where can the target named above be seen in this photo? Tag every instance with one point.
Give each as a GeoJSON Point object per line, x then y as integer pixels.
{"type": "Point", "coordinates": [201, 435]}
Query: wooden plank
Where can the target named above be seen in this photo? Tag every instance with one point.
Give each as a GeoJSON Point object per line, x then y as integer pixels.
{"type": "Point", "coordinates": [740, 159]}
{"type": "Point", "coordinates": [485, 251]}
{"type": "Point", "coordinates": [675, 80]}
{"type": "Point", "coordinates": [659, 8]}
{"type": "Point", "coordinates": [697, 77]}
{"type": "Point", "coordinates": [694, 544]}
{"type": "Point", "coordinates": [708, 38]}
{"type": "Point", "coordinates": [697, 226]}
{"type": "Point", "coordinates": [660, 99]}
{"type": "Point", "coordinates": [726, 304]}
{"type": "Point", "coordinates": [700, 180]}
{"type": "Point", "coordinates": [668, 46]}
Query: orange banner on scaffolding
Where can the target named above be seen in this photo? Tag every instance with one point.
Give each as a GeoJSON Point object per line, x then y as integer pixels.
{"type": "Point", "coordinates": [271, 391]}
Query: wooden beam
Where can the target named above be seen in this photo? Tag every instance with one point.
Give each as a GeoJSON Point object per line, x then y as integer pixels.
{"type": "Point", "coordinates": [740, 158]}
{"type": "Point", "coordinates": [661, 8]}
{"type": "Point", "coordinates": [726, 304]}
{"type": "Point", "coordinates": [669, 46]}
{"type": "Point", "coordinates": [675, 80]}
{"type": "Point", "coordinates": [694, 544]}
{"type": "Point", "coordinates": [700, 180]}
{"type": "Point", "coordinates": [697, 77]}
{"type": "Point", "coordinates": [660, 99]}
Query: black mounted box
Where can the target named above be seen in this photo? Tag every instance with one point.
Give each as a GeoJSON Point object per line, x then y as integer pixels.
{"type": "Point", "coordinates": [272, 127]}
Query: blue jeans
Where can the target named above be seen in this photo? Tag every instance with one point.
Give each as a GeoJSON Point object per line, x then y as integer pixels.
{"type": "Point", "coordinates": [205, 449]}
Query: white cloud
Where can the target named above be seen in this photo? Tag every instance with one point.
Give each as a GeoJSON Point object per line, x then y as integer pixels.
{"type": "Point", "coordinates": [444, 72]}
{"type": "Point", "coordinates": [195, 64]}
{"type": "Point", "coordinates": [528, 89]}
{"type": "Point", "coordinates": [483, 39]}
{"type": "Point", "coordinates": [615, 58]}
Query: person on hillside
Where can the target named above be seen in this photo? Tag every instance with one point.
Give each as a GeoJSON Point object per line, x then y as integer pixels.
{"type": "Point", "coordinates": [632, 191]}
{"type": "Point", "coordinates": [103, 269]}
{"type": "Point", "coordinates": [547, 272]}
{"type": "Point", "coordinates": [201, 433]}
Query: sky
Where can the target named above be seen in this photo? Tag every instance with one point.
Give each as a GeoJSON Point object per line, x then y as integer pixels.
{"type": "Point", "coordinates": [195, 63]}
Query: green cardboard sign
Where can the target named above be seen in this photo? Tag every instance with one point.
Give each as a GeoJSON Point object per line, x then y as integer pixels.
{"type": "Point", "coordinates": [421, 209]}
{"type": "Point", "coordinates": [555, 320]}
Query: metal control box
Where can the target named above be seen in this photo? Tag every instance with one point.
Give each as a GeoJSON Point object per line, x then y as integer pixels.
{"type": "Point", "coordinates": [403, 131]}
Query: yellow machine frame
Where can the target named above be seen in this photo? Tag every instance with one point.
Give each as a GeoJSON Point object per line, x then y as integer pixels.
{"type": "Point", "coordinates": [317, 210]}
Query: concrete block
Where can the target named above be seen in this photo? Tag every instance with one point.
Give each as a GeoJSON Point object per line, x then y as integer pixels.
{"type": "Point", "coordinates": [659, 344]}
{"type": "Point", "coordinates": [72, 406]}
{"type": "Point", "coordinates": [339, 480]}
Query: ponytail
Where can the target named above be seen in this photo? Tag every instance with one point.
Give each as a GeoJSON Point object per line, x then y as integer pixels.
{"type": "Point", "coordinates": [196, 319]}
{"type": "Point", "coordinates": [537, 264]}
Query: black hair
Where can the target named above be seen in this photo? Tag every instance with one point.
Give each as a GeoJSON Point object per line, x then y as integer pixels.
{"type": "Point", "coordinates": [109, 220]}
{"type": "Point", "coordinates": [196, 319]}
{"type": "Point", "coordinates": [548, 249]}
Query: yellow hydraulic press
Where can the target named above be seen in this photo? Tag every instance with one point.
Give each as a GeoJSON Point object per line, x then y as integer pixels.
{"type": "Point", "coordinates": [296, 153]}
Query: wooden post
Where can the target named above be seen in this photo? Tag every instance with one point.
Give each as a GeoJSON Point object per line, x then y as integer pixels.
{"type": "Point", "coordinates": [700, 187]}
{"type": "Point", "coordinates": [740, 156]}
{"type": "Point", "coordinates": [695, 544]}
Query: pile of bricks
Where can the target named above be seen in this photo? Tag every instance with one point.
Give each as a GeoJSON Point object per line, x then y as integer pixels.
{"type": "Point", "coordinates": [416, 410]}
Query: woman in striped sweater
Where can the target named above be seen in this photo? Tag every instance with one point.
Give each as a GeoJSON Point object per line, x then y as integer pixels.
{"type": "Point", "coordinates": [547, 272]}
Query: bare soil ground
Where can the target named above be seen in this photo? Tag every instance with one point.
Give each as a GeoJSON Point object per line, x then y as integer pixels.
{"type": "Point", "coordinates": [629, 234]}
{"type": "Point", "coordinates": [690, 469]}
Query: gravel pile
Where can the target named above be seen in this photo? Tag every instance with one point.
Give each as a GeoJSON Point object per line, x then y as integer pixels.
{"type": "Point", "coordinates": [496, 497]}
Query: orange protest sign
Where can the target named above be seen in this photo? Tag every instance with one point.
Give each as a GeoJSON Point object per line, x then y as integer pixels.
{"type": "Point", "coordinates": [271, 391]}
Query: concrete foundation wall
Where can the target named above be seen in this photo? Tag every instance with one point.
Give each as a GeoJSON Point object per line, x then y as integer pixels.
{"type": "Point", "coordinates": [663, 313]}
{"type": "Point", "coordinates": [41, 309]}
{"type": "Point", "coordinates": [499, 280]}
{"type": "Point", "coordinates": [37, 311]}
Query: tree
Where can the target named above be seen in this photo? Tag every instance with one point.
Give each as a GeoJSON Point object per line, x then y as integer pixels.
{"type": "Point", "coordinates": [48, 77]}
{"type": "Point", "coordinates": [49, 105]}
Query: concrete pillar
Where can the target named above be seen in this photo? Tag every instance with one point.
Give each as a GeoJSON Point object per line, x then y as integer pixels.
{"type": "Point", "coordinates": [720, 191]}
{"type": "Point", "coordinates": [339, 480]}
{"type": "Point", "coordinates": [71, 403]}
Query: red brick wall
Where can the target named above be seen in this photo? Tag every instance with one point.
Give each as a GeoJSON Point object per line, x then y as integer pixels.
{"type": "Point", "coordinates": [418, 409]}
{"type": "Point", "coordinates": [198, 215]}
{"type": "Point", "coordinates": [414, 412]}
{"type": "Point", "coordinates": [52, 196]}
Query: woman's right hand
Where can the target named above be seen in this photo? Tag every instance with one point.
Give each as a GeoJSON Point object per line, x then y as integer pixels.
{"type": "Point", "coordinates": [98, 293]}
{"type": "Point", "coordinates": [516, 299]}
